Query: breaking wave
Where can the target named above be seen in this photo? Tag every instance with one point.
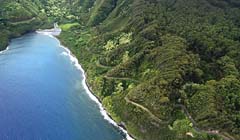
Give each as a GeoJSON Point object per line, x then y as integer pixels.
{"type": "Point", "coordinates": [103, 112]}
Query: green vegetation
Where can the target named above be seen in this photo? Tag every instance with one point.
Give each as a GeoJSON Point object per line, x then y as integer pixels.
{"type": "Point", "coordinates": [18, 17]}
{"type": "Point", "coordinates": [68, 26]}
{"type": "Point", "coordinates": [144, 59]}
{"type": "Point", "coordinates": [166, 69]}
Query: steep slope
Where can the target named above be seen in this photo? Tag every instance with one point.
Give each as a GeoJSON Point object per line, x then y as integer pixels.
{"type": "Point", "coordinates": [166, 69]}
{"type": "Point", "coordinates": [17, 17]}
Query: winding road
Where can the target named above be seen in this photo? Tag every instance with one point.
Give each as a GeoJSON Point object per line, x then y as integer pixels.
{"type": "Point", "coordinates": [143, 108]}
{"type": "Point", "coordinates": [23, 21]}
{"type": "Point", "coordinates": [121, 78]}
{"type": "Point", "coordinates": [210, 132]}
{"type": "Point", "coordinates": [98, 64]}
{"type": "Point", "coordinates": [183, 108]}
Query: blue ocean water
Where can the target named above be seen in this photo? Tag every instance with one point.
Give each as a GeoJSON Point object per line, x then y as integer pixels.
{"type": "Point", "coordinates": [42, 96]}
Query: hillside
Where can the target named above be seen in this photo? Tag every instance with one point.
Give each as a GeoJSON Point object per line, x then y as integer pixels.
{"type": "Point", "coordinates": [18, 17]}
{"type": "Point", "coordinates": [165, 69]}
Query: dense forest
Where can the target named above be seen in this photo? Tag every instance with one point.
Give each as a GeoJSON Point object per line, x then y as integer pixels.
{"type": "Point", "coordinates": [164, 69]}
{"type": "Point", "coordinates": [18, 17]}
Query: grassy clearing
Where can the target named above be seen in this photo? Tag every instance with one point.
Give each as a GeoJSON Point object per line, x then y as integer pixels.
{"type": "Point", "coordinates": [68, 26]}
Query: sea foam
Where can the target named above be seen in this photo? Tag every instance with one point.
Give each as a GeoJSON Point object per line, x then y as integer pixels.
{"type": "Point", "coordinates": [103, 112]}
{"type": "Point", "coordinates": [4, 50]}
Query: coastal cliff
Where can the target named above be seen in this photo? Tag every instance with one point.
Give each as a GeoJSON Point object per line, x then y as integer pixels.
{"type": "Point", "coordinates": [165, 69]}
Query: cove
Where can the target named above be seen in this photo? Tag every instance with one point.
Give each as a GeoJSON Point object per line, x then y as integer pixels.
{"type": "Point", "coordinates": [42, 95]}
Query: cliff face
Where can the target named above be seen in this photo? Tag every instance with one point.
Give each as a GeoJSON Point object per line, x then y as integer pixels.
{"type": "Point", "coordinates": [155, 64]}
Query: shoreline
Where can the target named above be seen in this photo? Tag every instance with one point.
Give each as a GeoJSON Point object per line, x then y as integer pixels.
{"type": "Point", "coordinates": [6, 49]}
{"type": "Point", "coordinates": [107, 116]}
{"type": "Point", "coordinates": [93, 97]}
{"type": "Point", "coordinates": [9, 40]}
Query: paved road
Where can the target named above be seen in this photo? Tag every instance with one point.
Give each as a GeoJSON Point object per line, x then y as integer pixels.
{"type": "Point", "coordinates": [211, 132]}
{"type": "Point", "coordinates": [22, 22]}
{"type": "Point", "coordinates": [145, 109]}
{"type": "Point", "coordinates": [102, 66]}
{"type": "Point", "coordinates": [122, 78]}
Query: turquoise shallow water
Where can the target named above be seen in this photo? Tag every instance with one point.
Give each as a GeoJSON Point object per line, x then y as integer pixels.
{"type": "Point", "coordinates": [42, 96]}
